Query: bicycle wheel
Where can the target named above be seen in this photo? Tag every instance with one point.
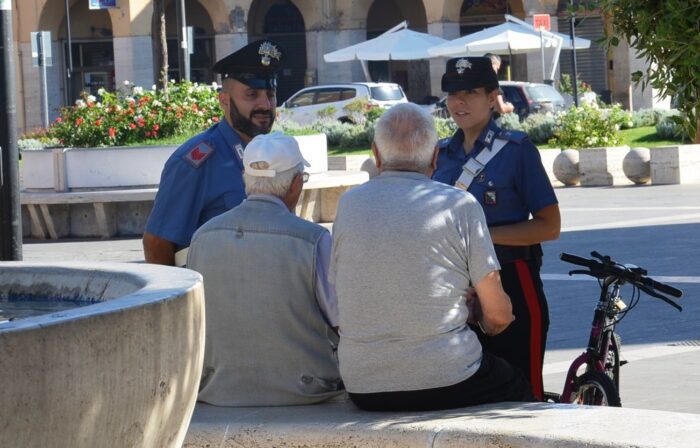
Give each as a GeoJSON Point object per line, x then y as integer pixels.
{"type": "Point", "coordinates": [595, 389]}
{"type": "Point", "coordinates": [613, 363]}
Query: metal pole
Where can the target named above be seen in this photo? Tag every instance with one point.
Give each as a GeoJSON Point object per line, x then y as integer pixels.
{"type": "Point", "coordinates": [44, 88]}
{"type": "Point", "coordinates": [184, 54]}
{"type": "Point", "coordinates": [69, 68]}
{"type": "Point", "coordinates": [544, 75]}
{"type": "Point", "coordinates": [10, 211]}
{"type": "Point", "coordinates": [574, 76]}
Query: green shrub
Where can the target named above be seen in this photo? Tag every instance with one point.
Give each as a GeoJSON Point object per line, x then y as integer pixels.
{"type": "Point", "coordinates": [356, 110]}
{"type": "Point", "coordinates": [511, 121]}
{"type": "Point", "coordinates": [539, 127]}
{"type": "Point", "coordinates": [667, 130]}
{"type": "Point", "coordinates": [373, 114]}
{"type": "Point", "coordinates": [445, 127]}
{"type": "Point", "coordinates": [646, 117]}
{"type": "Point", "coordinates": [326, 113]}
{"type": "Point", "coordinates": [587, 127]}
{"type": "Point", "coordinates": [356, 136]}
{"type": "Point", "coordinates": [621, 116]}
{"type": "Point", "coordinates": [333, 129]}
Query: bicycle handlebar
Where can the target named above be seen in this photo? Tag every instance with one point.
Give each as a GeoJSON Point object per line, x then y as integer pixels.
{"type": "Point", "coordinates": [607, 267]}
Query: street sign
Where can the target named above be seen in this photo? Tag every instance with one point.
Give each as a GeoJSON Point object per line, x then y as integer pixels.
{"type": "Point", "coordinates": [542, 22]}
{"type": "Point", "coordinates": [103, 4]}
{"type": "Point", "coordinates": [41, 49]}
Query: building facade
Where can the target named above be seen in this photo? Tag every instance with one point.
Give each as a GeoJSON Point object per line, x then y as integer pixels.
{"type": "Point", "coordinates": [110, 46]}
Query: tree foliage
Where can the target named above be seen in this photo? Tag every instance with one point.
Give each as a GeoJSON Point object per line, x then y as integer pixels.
{"type": "Point", "coordinates": [666, 33]}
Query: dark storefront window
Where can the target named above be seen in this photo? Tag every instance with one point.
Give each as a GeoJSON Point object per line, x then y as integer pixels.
{"type": "Point", "coordinates": [93, 67]}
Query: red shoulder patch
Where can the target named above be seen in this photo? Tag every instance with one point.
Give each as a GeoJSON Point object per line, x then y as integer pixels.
{"type": "Point", "coordinates": [197, 155]}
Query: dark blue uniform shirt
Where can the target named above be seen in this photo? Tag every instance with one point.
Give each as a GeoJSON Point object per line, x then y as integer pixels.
{"type": "Point", "coordinates": [512, 186]}
{"type": "Point", "coordinates": [202, 179]}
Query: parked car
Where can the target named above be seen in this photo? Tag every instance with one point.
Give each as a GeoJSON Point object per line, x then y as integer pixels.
{"type": "Point", "coordinates": [303, 106]}
{"type": "Point", "coordinates": [527, 98]}
{"type": "Point", "coordinates": [531, 98]}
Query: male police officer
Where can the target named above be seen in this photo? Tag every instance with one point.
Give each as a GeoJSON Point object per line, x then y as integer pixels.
{"type": "Point", "coordinates": [203, 177]}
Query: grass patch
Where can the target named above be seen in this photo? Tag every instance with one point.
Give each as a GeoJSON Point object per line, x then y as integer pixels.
{"type": "Point", "coordinates": [335, 151]}
{"type": "Point", "coordinates": [645, 136]}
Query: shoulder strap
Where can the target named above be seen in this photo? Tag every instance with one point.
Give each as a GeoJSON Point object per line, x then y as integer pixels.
{"type": "Point", "coordinates": [476, 165]}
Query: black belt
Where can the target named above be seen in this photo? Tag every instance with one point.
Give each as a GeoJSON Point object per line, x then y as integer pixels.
{"type": "Point", "coordinates": [509, 254]}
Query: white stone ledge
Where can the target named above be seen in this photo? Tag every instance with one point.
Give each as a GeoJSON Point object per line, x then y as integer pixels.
{"type": "Point", "coordinates": [500, 425]}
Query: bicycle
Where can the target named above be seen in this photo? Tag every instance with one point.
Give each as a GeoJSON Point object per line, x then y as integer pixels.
{"type": "Point", "coordinates": [600, 381]}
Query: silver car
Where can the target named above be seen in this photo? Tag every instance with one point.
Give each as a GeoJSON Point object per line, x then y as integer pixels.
{"type": "Point", "coordinates": [304, 106]}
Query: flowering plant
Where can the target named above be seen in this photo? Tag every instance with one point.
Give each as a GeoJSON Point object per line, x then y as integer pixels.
{"type": "Point", "coordinates": [588, 127]}
{"type": "Point", "coordinates": [136, 114]}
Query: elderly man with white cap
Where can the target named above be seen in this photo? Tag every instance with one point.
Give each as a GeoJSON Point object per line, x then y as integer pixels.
{"type": "Point", "coordinates": [270, 337]}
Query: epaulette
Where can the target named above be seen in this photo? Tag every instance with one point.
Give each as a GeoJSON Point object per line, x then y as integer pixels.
{"type": "Point", "coordinates": [198, 155]}
{"type": "Point", "coordinates": [512, 136]}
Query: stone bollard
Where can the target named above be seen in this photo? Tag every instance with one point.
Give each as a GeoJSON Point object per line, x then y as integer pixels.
{"type": "Point", "coordinates": [566, 167]}
{"type": "Point", "coordinates": [636, 165]}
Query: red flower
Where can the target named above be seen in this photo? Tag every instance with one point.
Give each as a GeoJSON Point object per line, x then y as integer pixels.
{"type": "Point", "coordinates": [59, 120]}
{"type": "Point", "coordinates": [132, 126]}
{"type": "Point", "coordinates": [112, 132]}
{"type": "Point", "coordinates": [79, 121]}
{"type": "Point", "coordinates": [98, 122]}
{"type": "Point", "coordinates": [148, 134]}
{"type": "Point", "coordinates": [215, 119]}
{"type": "Point", "coordinates": [156, 127]}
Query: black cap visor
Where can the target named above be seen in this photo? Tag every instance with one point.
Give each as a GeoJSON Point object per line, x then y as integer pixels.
{"type": "Point", "coordinates": [453, 83]}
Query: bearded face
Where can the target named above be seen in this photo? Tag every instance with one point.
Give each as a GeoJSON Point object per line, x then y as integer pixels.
{"type": "Point", "coordinates": [257, 121]}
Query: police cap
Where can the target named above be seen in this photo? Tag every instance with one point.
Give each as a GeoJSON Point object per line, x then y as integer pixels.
{"type": "Point", "coordinates": [255, 65]}
{"type": "Point", "coordinates": [469, 73]}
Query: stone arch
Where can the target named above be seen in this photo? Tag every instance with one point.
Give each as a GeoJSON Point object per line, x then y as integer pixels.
{"type": "Point", "coordinates": [53, 19]}
{"type": "Point", "coordinates": [282, 21]}
{"type": "Point", "coordinates": [413, 76]}
{"type": "Point", "coordinates": [219, 15]}
{"type": "Point", "coordinates": [202, 59]}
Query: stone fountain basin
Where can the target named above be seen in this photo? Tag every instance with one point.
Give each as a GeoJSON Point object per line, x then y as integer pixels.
{"type": "Point", "coordinates": [123, 372]}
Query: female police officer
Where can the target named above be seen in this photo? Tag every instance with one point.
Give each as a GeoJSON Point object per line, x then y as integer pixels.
{"type": "Point", "coordinates": [503, 170]}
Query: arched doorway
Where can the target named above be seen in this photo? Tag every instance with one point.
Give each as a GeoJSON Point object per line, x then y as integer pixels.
{"type": "Point", "coordinates": [202, 58]}
{"type": "Point", "coordinates": [281, 21]}
{"type": "Point", "coordinates": [413, 76]}
{"type": "Point", "coordinates": [476, 15]}
{"type": "Point", "coordinates": [91, 47]}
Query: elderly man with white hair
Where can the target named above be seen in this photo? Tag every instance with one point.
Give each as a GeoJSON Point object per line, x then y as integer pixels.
{"type": "Point", "coordinates": [407, 252]}
{"type": "Point", "coordinates": [270, 337]}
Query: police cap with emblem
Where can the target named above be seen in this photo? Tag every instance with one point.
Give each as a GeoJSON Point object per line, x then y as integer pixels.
{"type": "Point", "coordinates": [469, 73]}
{"type": "Point", "coordinates": [255, 65]}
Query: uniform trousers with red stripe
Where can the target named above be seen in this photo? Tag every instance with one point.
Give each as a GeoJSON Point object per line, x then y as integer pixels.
{"type": "Point", "coordinates": [523, 343]}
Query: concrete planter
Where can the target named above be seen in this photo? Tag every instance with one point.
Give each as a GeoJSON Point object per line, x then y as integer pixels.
{"type": "Point", "coordinates": [67, 169]}
{"type": "Point", "coordinates": [675, 165]}
{"type": "Point", "coordinates": [603, 166]}
{"type": "Point", "coordinates": [356, 162]}
{"type": "Point", "coordinates": [122, 372]}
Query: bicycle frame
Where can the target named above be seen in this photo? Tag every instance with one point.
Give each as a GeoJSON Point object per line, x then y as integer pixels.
{"type": "Point", "coordinates": [596, 354]}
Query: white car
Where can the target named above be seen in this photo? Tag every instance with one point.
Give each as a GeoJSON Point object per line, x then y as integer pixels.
{"type": "Point", "coordinates": [303, 107]}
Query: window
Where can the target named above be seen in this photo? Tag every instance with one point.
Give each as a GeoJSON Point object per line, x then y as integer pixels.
{"type": "Point", "coordinates": [347, 94]}
{"type": "Point", "coordinates": [327, 96]}
{"type": "Point", "coordinates": [303, 99]}
{"type": "Point", "coordinates": [386, 93]}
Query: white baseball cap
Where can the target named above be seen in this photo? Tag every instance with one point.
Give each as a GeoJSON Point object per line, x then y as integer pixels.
{"type": "Point", "coordinates": [269, 154]}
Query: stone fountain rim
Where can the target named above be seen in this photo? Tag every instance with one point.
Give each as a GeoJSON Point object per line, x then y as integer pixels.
{"type": "Point", "coordinates": [155, 283]}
